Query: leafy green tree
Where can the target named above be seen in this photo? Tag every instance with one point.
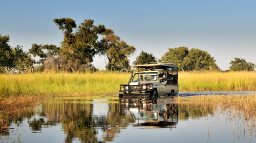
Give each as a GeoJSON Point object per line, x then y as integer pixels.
{"type": "Point", "coordinates": [201, 60]}
{"type": "Point", "coordinates": [2, 69]}
{"type": "Point", "coordinates": [43, 51]}
{"type": "Point", "coordinates": [12, 58]}
{"type": "Point", "coordinates": [116, 51]}
{"type": "Point", "coordinates": [241, 65]}
{"type": "Point", "coordinates": [51, 50]}
{"type": "Point", "coordinates": [22, 60]}
{"type": "Point", "coordinates": [37, 50]}
{"type": "Point", "coordinates": [6, 56]}
{"type": "Point", "coordinates": [176, 55]}
{"type": "Point", "coordinates": [80, 47]}
{"type": "Point", "coordinates": [188, 60]}
{"type": "Point", "coordinates": [144, 58]}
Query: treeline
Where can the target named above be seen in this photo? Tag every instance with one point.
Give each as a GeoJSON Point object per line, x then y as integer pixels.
{"type": "Point", "coordinates": [193, 60]}
{"type": "Point", "coordinates": [79, 46]}
{"type": "Point", "coordinates": [81, 43]}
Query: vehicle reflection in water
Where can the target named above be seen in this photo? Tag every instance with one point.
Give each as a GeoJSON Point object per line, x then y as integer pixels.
{"type": "Point", "coordinates": [148, 114]}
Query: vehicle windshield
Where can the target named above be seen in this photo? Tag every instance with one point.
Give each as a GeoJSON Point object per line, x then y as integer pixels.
{"type": "Point", "coordinates": [150, 76]}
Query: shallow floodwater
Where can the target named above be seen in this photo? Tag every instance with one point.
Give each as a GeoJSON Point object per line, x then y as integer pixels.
{"type": "Point", "coordinates": [128, 120]}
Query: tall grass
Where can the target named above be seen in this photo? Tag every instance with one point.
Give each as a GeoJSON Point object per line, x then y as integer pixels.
{"type": "Point", "coordinates": [68, 84]}
{"type": "Point", "coordinates": [217, 81]}
{"type": "Point", "coordinates": [61, 84]}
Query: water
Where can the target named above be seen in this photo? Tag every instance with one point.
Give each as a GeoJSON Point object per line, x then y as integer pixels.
{"type": "Point", "coordinates": [129, 120]}
{"type": "Point", "coordinates": [217, 93]}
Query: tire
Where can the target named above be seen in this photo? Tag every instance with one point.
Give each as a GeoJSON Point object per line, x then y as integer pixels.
{"type": "Point", "coordinates": [154, 97]}
{"type": "Point", "coordinates": [172, 93]}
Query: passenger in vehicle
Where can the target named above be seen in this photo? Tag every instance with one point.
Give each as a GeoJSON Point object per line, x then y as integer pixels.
{"type": "Point", "coordinates": [165, 74]}
{"type": "Point", "coordinates": [167, 77]}
{"type": "Point", "coordinates": [141, 77]}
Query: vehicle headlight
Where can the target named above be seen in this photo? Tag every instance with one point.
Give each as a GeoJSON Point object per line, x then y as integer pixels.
{"type": "Point", "coordinates": [148, 86]}
{"type": "Point", "coordinates": [126, 87]}
{"type": "Point", "coordinates": [144, 87]}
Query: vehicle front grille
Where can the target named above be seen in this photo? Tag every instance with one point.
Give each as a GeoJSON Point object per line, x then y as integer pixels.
{"type": "Point", "coordinates": [135, 87]}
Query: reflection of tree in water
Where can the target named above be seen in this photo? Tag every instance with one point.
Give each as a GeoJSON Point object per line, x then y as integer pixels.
{"type": "Point", "coordinates": [116, 120]}
{"type": "Point", "coordinates": [78, 121]}
{"type": "Point", "coordinates": [36, 125]}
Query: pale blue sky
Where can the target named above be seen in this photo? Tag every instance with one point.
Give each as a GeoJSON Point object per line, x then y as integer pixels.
{"type": "Point", "coordinates": [224, 28]}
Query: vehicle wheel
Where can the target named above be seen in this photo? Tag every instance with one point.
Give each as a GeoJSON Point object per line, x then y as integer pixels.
{"type": "Point", "coordinates": [155, 96]}
{"type": "Point", "coordinates": [172, 93]}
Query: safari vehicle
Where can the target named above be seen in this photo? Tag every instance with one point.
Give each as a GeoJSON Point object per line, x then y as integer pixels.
{"type": "Point", "coordinates": [152, 82]}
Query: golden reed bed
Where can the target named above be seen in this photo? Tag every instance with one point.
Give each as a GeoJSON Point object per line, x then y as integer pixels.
{"type": "Point", "coordinates": [68, 84]}
{"type": "Point", "coordinates": [217, 81]}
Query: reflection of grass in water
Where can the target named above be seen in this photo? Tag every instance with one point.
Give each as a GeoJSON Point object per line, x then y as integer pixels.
{"type": "Point", "coordinates": [244, 103]}
{"type": "Point", "coordinates": [86, 99]}
{"type": "Point", "coordinates": [11, 107]}
{"type": "Point", "coordinates": [235, 107]}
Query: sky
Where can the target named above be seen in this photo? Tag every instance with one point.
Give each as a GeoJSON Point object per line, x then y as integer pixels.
{"type": "Point", "coordinates": [224, 28]}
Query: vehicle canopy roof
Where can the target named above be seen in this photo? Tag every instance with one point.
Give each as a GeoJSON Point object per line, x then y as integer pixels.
{"type": "Point", "coordinates": [156, 65]}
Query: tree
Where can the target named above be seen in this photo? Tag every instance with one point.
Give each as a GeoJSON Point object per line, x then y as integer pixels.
{"type": "Point", "coordinates": [6, 56]}
{"type": "Point", "coordinates": [22, 60]}
{"type": "Point", "coordinates": [51, 50]}
{"type": "Point", "coordinates": [193, 59]}
{"type": "Point", "coordinates": [176, 55]}
{"type": "Point", "coordinates": [144, 58]}
{"type": "Point", "coordinates": [55, 63]}
{"type": "Point", "coordinates": [43, 51]}
{"type": "Point", "coordinates": [80, 47]}
{"type": "Point", "coordinates": [201, 60]}
{"type": "Point", "coordinates": [37, 50]}
{"type": "Point", "coordinates": [116, 51]}
{"type": "Point", "coordinates": [12, 58]}
{"type": "Point", "coordinates": [241, 65]}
